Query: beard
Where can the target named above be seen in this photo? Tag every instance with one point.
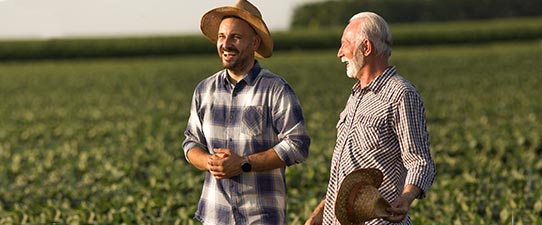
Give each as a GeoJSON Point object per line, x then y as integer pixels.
{"type": "Point", "coordinates": [233, 59]}
{"type": "Point", "coordinates": [353, 65]}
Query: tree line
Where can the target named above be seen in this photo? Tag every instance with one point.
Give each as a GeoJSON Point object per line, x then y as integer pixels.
{"type": "Point", "coordinates": [332, 13]}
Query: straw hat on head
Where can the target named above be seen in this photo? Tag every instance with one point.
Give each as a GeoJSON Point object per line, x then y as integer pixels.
{"type": "Point", "coordinates": [246, 11]}
{"type": "Point", "coordinates": [359, 200]}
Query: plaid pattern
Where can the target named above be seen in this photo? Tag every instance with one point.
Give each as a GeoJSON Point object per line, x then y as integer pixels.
{"type": "Point", "coordinates": [260, 112]}
{"type": "Point", "coordinates": [383, 126]}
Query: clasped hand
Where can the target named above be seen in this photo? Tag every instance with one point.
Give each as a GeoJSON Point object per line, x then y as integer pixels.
{"type": "Point", "coordinates": [224, 163]}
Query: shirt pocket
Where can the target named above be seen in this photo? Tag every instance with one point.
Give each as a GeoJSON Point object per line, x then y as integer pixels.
{"type": "Point", "coordinates": [252, 120]}
{"type": "Point", "coordinates": [370, 132]}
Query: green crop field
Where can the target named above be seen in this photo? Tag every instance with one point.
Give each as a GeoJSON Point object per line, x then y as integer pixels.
{"type": "Point", "coordinates": [97, 141]}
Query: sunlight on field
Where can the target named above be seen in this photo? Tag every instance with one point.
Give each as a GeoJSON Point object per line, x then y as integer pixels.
{"type": "Point", "coordinates": [98, 141]}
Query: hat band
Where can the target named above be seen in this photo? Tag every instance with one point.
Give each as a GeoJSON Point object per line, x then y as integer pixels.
{"type": "Point", "coordinates": [351, 200]}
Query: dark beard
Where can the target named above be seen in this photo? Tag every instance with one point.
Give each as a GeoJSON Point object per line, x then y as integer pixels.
{"type": "Point", "coordinates": [239, 64]}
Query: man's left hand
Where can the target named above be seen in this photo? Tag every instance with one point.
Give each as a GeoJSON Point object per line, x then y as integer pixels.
{"type": "Point", "coordinates": [224, 163]}
{"type": "Point", "coordinates": [399, 209]}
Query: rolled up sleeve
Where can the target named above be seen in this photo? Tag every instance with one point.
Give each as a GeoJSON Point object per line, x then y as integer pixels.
{"type": "Point", "coordinates": [414, 142]}
{"type": "Point", "coordinates": [288, 119]}
{"type": "Point", "coordinates": [193, 134]}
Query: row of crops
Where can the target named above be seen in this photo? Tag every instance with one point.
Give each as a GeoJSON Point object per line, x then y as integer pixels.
{"type": "Point", "coordinates": [97, 141]}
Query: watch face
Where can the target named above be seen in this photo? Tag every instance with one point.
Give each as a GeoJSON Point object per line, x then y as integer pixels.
{"type": "Point", "coordinates": [246, 167]}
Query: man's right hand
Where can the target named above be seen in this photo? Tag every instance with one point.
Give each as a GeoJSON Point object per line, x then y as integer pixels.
{"type": "Point", "coordinates": [317, 216]}
{"type": "Point", "coordinates": [224, 163]}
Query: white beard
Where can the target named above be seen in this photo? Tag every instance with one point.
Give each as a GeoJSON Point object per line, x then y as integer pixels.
{"type": "Point", "coordinates": [353, 67]}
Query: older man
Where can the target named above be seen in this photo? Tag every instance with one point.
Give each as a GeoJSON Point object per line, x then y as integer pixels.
{"type": "Point", "coordinates": [383, 126]}
{"type": "Point", "coordinates": [245, 125]}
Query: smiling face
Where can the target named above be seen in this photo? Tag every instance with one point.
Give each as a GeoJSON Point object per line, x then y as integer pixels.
{"type": "Point", "coordinates": [236, 44]}
{"type": "Point", "coordinates": [349, 52]}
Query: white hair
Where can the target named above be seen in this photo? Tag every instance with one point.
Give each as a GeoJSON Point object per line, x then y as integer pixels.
{"type": "Point", "coordinates": [376, 29]}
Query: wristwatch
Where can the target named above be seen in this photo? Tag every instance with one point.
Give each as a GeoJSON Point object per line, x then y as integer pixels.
{"type": "Point", "coordinates": [246, 166]}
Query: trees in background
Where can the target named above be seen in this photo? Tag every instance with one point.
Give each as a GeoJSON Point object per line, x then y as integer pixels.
{"type": "Point", "coordinates": [337, 12]}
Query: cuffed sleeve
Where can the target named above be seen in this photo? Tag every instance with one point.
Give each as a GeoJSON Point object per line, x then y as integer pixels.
{"type": "Point", "coordinates": [414, 141]}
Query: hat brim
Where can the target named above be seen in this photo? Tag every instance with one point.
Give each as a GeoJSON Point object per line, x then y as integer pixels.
{"type": "Point", "coordinates": [211, 20]}
{"type": "Point", "coordinates": [369, 176]}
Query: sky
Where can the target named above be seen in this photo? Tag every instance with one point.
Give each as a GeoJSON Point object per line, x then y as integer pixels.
{"type": "Point", "coordinates": [45, 19]}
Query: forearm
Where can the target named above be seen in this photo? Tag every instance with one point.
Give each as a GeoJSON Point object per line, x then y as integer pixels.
{"type": "Point", "coordinates": [266, 160]}
{"type": "Point", "coordinates": [320, 208]}
{"type": "Point", "coordinates": [317, 216]}
{"type": "Point", "coordinates": [198, 157]}
{"type": "Point", "coordinates": [411, 192]}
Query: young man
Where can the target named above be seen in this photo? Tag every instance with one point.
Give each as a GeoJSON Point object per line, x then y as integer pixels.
{"type": "Point", "coordinates": [383, 125]}
{"type": "Point", "coordinates": [245, 125]}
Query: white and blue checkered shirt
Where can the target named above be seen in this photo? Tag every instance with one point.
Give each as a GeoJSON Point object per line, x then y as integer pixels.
{"type": "Point", "coordinates": [383, 126]}
{"type": "Point", "coordinates": [258, 113]}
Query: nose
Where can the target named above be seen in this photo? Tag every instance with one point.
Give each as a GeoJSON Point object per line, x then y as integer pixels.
{"type": "Point", "coordinates": [228, 41]}
{"type": "Point", "coordinates": [340, 53]}
{"type": "Point", "coordinates": [224, 42]}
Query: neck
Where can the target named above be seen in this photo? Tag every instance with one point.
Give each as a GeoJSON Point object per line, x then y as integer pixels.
{"type": "Point", "coordinates": [372, 70]}
{"type": "Point", "coordinates": [235, 77]}
{"type": "Point", "coordinates": [238, 74]}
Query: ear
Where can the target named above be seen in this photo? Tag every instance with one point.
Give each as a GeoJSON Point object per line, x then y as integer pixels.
{"type": "Point", "coordinates": [257, 42]}
{"type": "Point", "coordinates": [366, 47]}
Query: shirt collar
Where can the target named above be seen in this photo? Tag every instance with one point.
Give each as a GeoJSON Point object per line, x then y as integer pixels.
{"type": "Point", "coordinates": [250, 78]}
{"type": "Point", "coordinates": [377, 84]}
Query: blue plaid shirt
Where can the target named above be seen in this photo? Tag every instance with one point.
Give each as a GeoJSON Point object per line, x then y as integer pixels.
{"type": "Point", "coordinates": [258, 113]}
